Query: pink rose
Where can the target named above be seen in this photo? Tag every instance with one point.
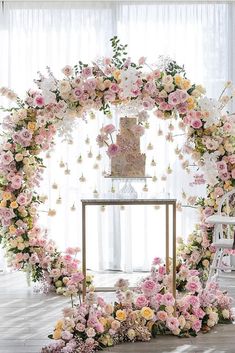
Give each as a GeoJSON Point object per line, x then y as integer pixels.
{"type": "Point", "coordinates": [149, 287]}
{"type": "Point", "coordinates": [22, 199]}
{"type": "Point", "coordinates": [224, 176]}
{"type": "Point", "coordinates": [39, 100]}
{"type": "Point", "coordinates": [221, 166]}
{"type": "Point", "coordinates": [162, 315]}
{"type": "Point", "coordinates": [227, 127]}
{"type": "Point", "coordinates": [67, 70]}
{"type": "Point", "coordinates": [141, 301]}
{"type": "Point", "coordinates": [168, 299]}
{"type": "Point", "coordinates": [172, 323]}
{"type": "Point", "coordinates": [196, 326]}
{"type": "Point", "coordinates": [196, 123]}
{"type": "Point", "coordinates": [6, 158]}
{"type": "Point", "coordinates": [113, 150]}
{"type": "Point", "coordinates": [218, 191]}
{"type": "Point", "coordinates": [86, 71]}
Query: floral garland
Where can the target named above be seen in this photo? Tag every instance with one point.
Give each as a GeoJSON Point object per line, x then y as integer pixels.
{"type": "Point", "coordinates": [141, 315]}
{"type": "Point", "coordinates": [30, 128]}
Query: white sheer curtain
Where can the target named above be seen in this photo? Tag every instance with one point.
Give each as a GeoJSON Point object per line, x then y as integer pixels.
{"type": "Point", "coordinates": [34, 35]}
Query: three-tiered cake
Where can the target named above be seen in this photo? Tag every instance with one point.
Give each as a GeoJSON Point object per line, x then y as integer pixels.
{"type": "Point", "coordinates": [129, 162]}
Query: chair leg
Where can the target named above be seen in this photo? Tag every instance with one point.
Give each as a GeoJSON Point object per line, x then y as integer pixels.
{"type": "Point", "coordinates": [214, 266]}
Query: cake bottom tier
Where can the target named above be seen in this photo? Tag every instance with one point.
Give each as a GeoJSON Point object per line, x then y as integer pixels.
{"type": "Point", "coordinates": [128, 165]}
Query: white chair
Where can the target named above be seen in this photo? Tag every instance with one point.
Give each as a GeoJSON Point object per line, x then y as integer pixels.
{"type": "Point", "coordinates": [224, 233]}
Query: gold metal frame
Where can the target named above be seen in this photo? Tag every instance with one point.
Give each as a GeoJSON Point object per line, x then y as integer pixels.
{"type": "Point", "coordinates": [114, 202]}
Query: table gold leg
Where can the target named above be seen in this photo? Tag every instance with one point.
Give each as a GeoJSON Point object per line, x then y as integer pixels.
{"type": "Point", "coordinates": [84, 250]}
{"type": "Point", "coordinates": [174, 252]}
{"type": "Point", "coordinates": [167, 239]}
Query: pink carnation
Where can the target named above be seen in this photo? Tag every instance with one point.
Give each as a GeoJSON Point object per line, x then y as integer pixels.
{"type": "Point", "coordinates": [109, 129]}
{"type": "Point", "coordinates": [113, 150]}
{"type": "Point", "coordinates": [221, 166]}
{"type": "Point", "coordinates": [39, 101]}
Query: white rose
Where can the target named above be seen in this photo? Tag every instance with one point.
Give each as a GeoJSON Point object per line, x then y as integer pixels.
{"type": "Point", "coordinates": [225, 314]}
{"type": "Point", "coordinates": [131, 334]}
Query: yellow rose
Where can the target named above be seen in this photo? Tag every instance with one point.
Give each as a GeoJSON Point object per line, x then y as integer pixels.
{"type": "Point", "coordinates": [12, 229]}
{"type": "Point", "coordinates": [147, 313]}
{"type": "Point", "coordinates": [190, 102]}
{"type": "Point", "coordinates": [103, 321]}
{"type": "Point", "coordinates": [178, 80]}
{"type": "Point", "coordinates": [121, 315]}
{"type": "Point", "coordinates": [185, 84]}
{"type": "Point", "coordinates": [57, 334]}
{"type": "Point", "coordinates": [6, 195]}
{"type": "Point", "coordinates": [14, 204]}
{"type": "Point", "coordinates": [116, 74]}
{"type": "Point", "coordinates": [32, 126]}
{"type": "Point", "coordinates": [59, 325]}
{"type": "Point", "coordinates": [3, 203]}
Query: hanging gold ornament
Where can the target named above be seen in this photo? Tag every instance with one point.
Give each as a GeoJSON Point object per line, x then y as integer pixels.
{"type": "Point", "coordinates": [171, 127]}
{"type": "Point", "coordinates": [150, 146]}
{"type": "Point", "coordinates": [96, 166]}
{"type": "Point", "coordinates": [51, 212]}
{"type": "Point", "coordinates": [146, 125]}
{"type": "Point", "coordinates": [154, 178]}
{"type": "Point", "coordinates": [54, 186]}
{"type": "Point", "coordinates": [153, 163]}
{"type": "Point", "coordinates": [177, 150]}
{"type": "Point", "coordinates": [62, 165]}
{"type": "Point", "coordinates": [180, 157]}
{"type": "Point", "coordinates": [113, 189]}
{"type": "Point", "coordinates": [87, 140]}
{"type": "Point", "coordinates": [82, 179]}
{"type": "Point", "coordinates": [122, 207]}
{"type": "Point", "coordinates": [92, 115]}
{"type": "Point", "coordinates": [98, 157]}
{"type": "Point", "coordinates": [79, 159]}
{"type": "Point", "coordinates": [95, 193]}
{"type": "Point", "coordinates": [90, 154]}
{"type": "Point", "coordinates": [145, 188]}
{"type": "Point", "coordinates": [73, 208]}
{"type": "Point", "coordinates": [163, 177]}
{"type": "Point", "coordinates": [169, 170]}
{"type": "Point", "coordinates": [156, 207]}
{"type": "Point", "coordinates": [179, 206]}
{"type": "Point", "coordinates": [184, 195]}
{"type": "Point", "coordinates": [160, 132]}
{"type": "Point", "coordinates": [70, 142]}
{"type": "Point", "coordinates": [59, 200]}
{"type": "Point", "coordinates": [102, 208]}
{"type": "Point", "coordinates": [67, 171]}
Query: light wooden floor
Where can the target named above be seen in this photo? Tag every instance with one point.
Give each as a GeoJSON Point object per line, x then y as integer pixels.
{"type": "Point", "coordinates": [26, 318]}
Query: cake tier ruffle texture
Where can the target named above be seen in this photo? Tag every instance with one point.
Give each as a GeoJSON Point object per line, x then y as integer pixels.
{"type": "Point", "coordinates": [129, 162]}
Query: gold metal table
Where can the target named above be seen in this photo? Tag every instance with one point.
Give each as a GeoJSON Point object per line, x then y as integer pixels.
{"type": "Point", "coordinates": [139, 201]}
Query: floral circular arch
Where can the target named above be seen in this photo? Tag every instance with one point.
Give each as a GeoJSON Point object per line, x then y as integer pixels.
{"type": "Point", "coordinates": [31, 125]}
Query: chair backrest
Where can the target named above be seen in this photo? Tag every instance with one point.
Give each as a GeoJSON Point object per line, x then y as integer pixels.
{"type": "Point", "coordinates": [226, 207]}
{"type": "Point", "coordinates": [226, 200]}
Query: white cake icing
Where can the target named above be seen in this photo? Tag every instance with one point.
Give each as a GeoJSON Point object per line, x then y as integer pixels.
{"type": "Point", "coordinates": [129, 162]}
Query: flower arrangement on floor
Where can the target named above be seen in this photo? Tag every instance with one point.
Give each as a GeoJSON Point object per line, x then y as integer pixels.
{"type": "Point", "coordinates": [138, 316]}
{"type": "Point", "coordinates": [30, 128]}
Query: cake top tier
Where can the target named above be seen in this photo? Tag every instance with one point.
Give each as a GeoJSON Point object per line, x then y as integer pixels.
{"type": "Point", "coordinates": [127, 123]}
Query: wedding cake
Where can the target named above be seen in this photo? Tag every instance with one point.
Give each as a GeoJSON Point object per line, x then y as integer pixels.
{"type": "Point", "coordinates": [129, 162]}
